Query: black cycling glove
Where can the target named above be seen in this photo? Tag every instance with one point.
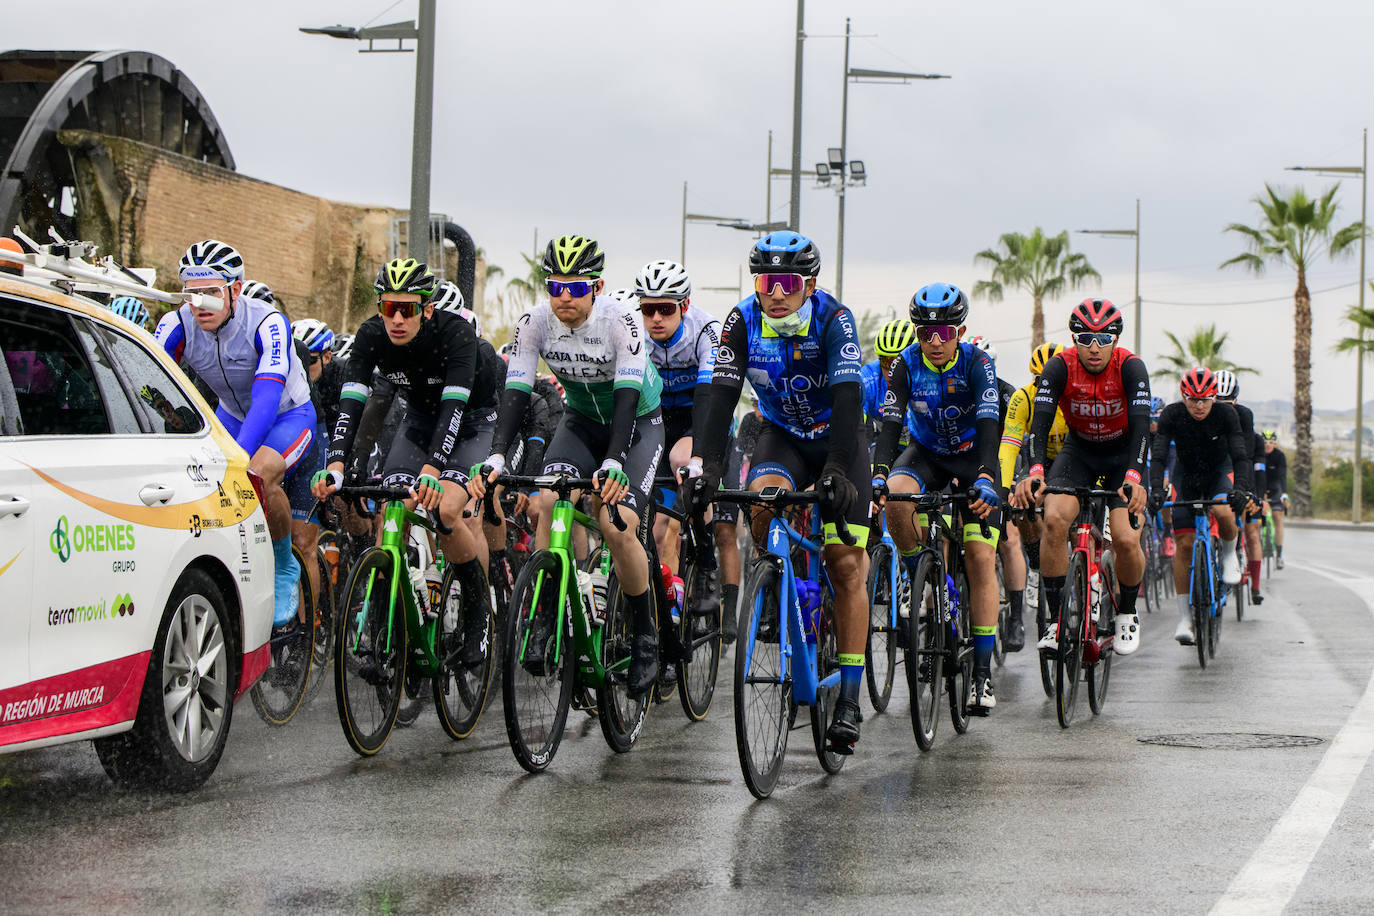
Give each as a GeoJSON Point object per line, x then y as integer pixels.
{"type": "Point", "coordinates": [838, 493]}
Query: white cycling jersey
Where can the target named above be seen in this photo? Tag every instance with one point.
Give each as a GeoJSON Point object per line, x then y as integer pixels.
{"type": "Point", "coordinates": [686, 359]}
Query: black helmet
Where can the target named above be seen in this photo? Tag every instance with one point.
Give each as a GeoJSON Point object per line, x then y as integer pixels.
{"type": "Point", "coordinates": [785, 252]}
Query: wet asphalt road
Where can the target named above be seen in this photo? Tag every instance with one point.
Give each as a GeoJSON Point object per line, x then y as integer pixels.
{"type": "Point", "coordinates": [1015, 815]}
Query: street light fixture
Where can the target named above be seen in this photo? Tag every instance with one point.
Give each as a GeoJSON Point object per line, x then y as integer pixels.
{"type": "Point", "coordinates": [729, 222]}
{"type": "Point", "coordinates": [822, 174]}
{"type": "Point", "coordinates": [1357, 488]}
{"type": "Point", "coordinates": [423, 36]}
{"type": "Point", "coordinates": [857, 172]}
{"type": "Point", "coordinates": [1127, 234]}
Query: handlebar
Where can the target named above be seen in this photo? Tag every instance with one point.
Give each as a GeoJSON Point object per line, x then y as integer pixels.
{"type": "Point", "coordinates": [1086, 493]}
{"type": "Point", "coordinates": [561, 484]}
{"type": "Point", "coordinates": [937, 501]}
{"type": "Point", "coordinates": [1197, 504]}
{"type": "Point", "coordinates": [780, 497]}
{"type": "Point", "coordinates": [387, 494]}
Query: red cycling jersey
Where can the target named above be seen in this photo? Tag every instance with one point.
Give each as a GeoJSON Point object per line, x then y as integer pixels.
{"type": "Point", "coordinates": [1094, 405]}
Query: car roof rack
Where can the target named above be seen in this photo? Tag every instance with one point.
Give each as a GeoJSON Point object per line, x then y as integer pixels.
{"type": "Point", "coordinates": [64, 265]}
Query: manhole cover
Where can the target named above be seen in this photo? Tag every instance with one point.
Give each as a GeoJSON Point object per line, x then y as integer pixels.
{"type": "Point", "coordinates": [1231, 741]}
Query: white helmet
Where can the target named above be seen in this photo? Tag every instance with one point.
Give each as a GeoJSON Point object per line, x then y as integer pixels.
{"type": "Point", "coordinates": [1228, 386]}
{"type": "Point", "coordinates": [342, 345]}
{"type": "Point", "coordinates": [447, 297]}
{"type": "Point", "coordinates": [985, 344]}
{"type": "Point", "coordinates": [312, 332]}
{"type": "Point", "coordinates": [663, 280]}
{"type": "Point", "coordinates": [256, 289]}
{"type": "Point", "coordinates": [623, 295]}
{"type": "Point", "coordinates": [209, 259]}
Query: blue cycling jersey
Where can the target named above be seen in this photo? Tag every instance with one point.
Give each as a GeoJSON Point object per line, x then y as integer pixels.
{"type": "Point", "coordinates": [686, 359]}
{"type": "Point", "coordinates": [875, 390]}
{"type": "Point", "coordinates": [793, 375]}
{"type": "Point", "coordinates": [945, 402]}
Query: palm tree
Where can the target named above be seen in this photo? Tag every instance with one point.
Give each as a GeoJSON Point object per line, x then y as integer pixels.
{"type": "Point", "coordinates": [1037, 264]}
{"type": "Point", "coordinates": [528, 288]}
{"type": "Point", "coordinates": [1296, 231]}
{"type": "Point", "coordinates": [1202, 349]}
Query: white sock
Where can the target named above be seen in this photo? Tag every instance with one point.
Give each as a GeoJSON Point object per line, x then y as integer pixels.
{"type": "Point", "coordinates": [1228, 546]}
{"type": "Point", "coordinates": [1185, 610]}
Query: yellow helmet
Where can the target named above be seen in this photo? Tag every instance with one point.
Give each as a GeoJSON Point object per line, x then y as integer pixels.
{"type": "Point", "coordinates": [1042, 354]}
{"type": "Point", "coordinates": [894, 337]}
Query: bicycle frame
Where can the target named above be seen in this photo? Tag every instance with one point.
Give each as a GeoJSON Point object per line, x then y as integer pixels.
{"type": "Point", "coordinates": [893, 572]}
{"type": "Point", "coordinates": [1203, 541]}
{"type": "Point", "coordinates": [395, 519]}
{"type": "Point", "coordinates": [1089, 541]}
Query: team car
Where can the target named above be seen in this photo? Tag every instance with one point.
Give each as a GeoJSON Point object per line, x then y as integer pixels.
{"type": "Point", "coordinates": [135, 567]}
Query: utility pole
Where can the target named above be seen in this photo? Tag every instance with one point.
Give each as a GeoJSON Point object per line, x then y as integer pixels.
{"type": "Point", "coordinates": [844, 135]}
{"type": "Point", "coordinates": [419, 248]}
{"type": "Point", "coordinates": [794, 213]}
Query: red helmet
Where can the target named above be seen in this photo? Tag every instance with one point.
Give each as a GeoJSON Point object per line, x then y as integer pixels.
{"type": "Point", "coordinates": [1198, 382]}
{"type": "Point", "coordinates": [1095, 315]}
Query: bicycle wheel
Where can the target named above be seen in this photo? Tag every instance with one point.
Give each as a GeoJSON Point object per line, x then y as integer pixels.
{"type": "Point", "coordinates": [279, 693]}
{"type": "Point", "coordinates": [1068, 663]}
{"type": "Point", "coordinates": [1150, 546]}
{"type": "Point", "coordinates": [880, 653]}
{"type": "Point", "coordinates": [1100, 673]}
{"type": "Point", "coordinates": [323, 645]}
{"type": "Point", "coordinates": [1241, 596]}
{"type": "Point", "coordinates": [370, 654]}
{"type": "Point", "coordinates": [1045, 659]}
{"type": "Point", "coordinates": [699, 632]}
{"type": "Point", "coordinates": [460, 691]}
{"type": "Point", "coordinates": [763, 680]}
{"type": "Point", "coordinates": [1201, 600]}
{"type": "Point", "coordinates": [959, 669]}
{"type": "Point", "coordinates": [622, 717]}
{"type": "Point", "coordinates": [411, 706]}
{"type": "Point", "coordinates": [827, 663]}
{"type": "Point", "coordinates": [537, 670]}
{"type": "Point", "coordinates": [999, 646]}
{"type": "Point", "coordinates": [925, 648]}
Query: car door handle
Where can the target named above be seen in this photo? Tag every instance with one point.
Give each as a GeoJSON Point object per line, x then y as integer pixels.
{"type": "Point", "coordinates": [156, 494]}
{"type": "Point", "coordinates": [13, 505]}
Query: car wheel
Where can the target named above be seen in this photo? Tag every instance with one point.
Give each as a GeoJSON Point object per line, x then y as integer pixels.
{"type": "Point", "coordinates": [188, 695]}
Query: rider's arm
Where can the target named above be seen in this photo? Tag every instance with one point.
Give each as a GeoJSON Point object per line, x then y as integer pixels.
{"type": "Point", "coordinates": [521, 374]}
{"type": "Point", "coordinates": [894, 418]}
{"type": "Point", "coordinates": [273, 342]}
{"type": "Point", "coordinates": [1261, 483]}
{"type": "Point", "coordinates": [708, 344]}
{"type": "Point", "coordinates": [1159, 450]}
{"type": "Point", "coordinates": [1013, 433]}
{"type": "Point", "coordinates": [536, 429]}
{"type": "Point", "coordinates": [844, 366]}
{"type": "Point", "coordinates": [460, 367]}
{"type": "Point", "coordinates": [1236, 446]}
{"type": "Point", "coordinates": [353, 396]}
{"type": "Point", "coordinates": [1047, 393]}
{"type": "Point", "coordinates": [171, 334]}
{"type": "Point", "coordinates": [631, 366]}
{"type": "Point", "coordinates": [988, 416]}
{"type": "Point", "coordinates": [727, 379]}
{"type": "Point", "coordinates": [1135, 380]}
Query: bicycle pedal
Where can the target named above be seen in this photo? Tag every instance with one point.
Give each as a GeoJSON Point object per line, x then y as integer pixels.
{"type": "Point", "coordinates": [980, 711]}
{"type": "Point", "coordinates": [843, 748]}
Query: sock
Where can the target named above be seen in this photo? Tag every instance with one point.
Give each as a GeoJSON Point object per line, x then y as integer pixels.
{"type": "Point", "coordinates": [729, 597]}
{"type": "Point", "coordinates": [1054, 594]}
{"type": "Point", "coordinates": [1255, 575]}
{"type": "Point", "coordinates": [1033, 555]}
{"type": "Point", "coordinates": [474, 582]}
{"type": "Point", "coordinates": [1227, 546]}
{"type": "Point", "coordinates": [851, 676]}
{"type": "Point", "coordinates": [984, 640]}
{"type": "Point", "coordinates": [1014, 602]}
{"type": "Point", "coordinates": [909, 561]}
{"type": "Point", "coordinates": [1126, 606]}
{"type": "Point", "coordinates": [641, 615]}
{"type": "Point", "coordinates": [1279, 548]}
{"type": "Point", "coordinates": [1185, 611]}
{"type": "Point", "coordinates": [281, 552]}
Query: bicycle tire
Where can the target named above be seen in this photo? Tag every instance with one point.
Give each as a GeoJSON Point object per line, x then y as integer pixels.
{"type": "Point", "coordinates": [1150, 545]}
{"type": "Point", "coordinates": [1100, 678]}
{"type": "Point", "coordinates": [1201, 598]}
{"type": "Point", "coordinates": [280, 692]}
{"type": "Point", "coordinates": [763, 681]}
{"type": "Point", "coordinates": [325, 600]}
{"type": "Point", "coordinates": [460, 692]}
{"type": "Point", "coordinates": [537, 681]}
{"type": "Point", "coordinates": [1044, 659]}
{"type": "Point", "coordinates": [999, 646]}
{"type": "Point", "coordinates": [621, 716]}
{"type": "Point", "coordinates": [823, 710]}
{"type": "Point", "coordinates": [369, 655]}
{"type": "Point", "coordinates": [925, 648]}
{"type": "Point", "coordinates": [880, 649]}
{"type": "Point", "coordinates": [1068, 664]}
{"type": "Point", "coordinates": [699, 633]}
{"type": "Point", "coordinates": [960, 673]}
{"type": "Point", "coordinates": [1241, 598]}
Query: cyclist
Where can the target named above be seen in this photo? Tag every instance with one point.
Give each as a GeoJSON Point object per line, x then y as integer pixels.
{"type": "Point", "coordinates": [1208, 436]}
{"type": "Point", "coordinates": [1276, 476]}
{"type": "Point", "coordinates": [1228, 390]}
{"type": "Point", "coordinates": [131, 309]}
{"type": "Point", "coordinates": [1104, 392]}
{"type": "Point", "coordinates": [800, 350]}
{"type": "Point", "coordinates": [241, 349]}
{"type": "Point", "coordinates": [951, 387]}
{"type": "Point", "coordinates": [892, 339]}
{"type": "Point", "coordinates": [1014, 428]}
{"type": "Point", "coordinates": [1166, 515]}
{"type": "Point", "coordinates": [612, 429]}
{"type": "Point", "coordinates": [433, 356]}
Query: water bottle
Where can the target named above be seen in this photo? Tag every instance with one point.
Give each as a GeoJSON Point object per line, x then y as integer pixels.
{"type": "Point", "coordinates": [600, 577]}
{"type": "Point", "coordinates": [952, 592]}
{"type": "Point", "coordinates": [584, 588]}
{"type": "Point", "coordinates": [434, 588]}
{"type": "Point", "coordinates": [672, 585]}
{"type": "Point", "coordinates": [1095, 590]}
{"type": "Point", "coordinates": [421, 589]}
{"type": "Point", "coordinates": [809, 595]}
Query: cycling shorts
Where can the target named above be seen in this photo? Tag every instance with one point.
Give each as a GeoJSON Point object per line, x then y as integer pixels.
{"type": "Point", "coordinates": [1185, 488]}
{"type": "Point", "coordinates": [733, 480]}
{"type": "Point", "coordinates": [410, 449]}
{"type": "Point", "coordinates": [579, 446]}
{"type": "Point", "coordinates": [1078, 467]}
{"type": "Point", "coordinates": [800, 462]}
{"type": "Point", "coordinates": [677, 425]}
{"type": "Point", "coordinates": [297, 485]}
{"type": "Point", "coordinates": [292, 434]}
{"type": "Point", "coordinates": [934, 472]}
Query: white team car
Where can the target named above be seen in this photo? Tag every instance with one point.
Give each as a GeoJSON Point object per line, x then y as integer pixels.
{"type": "Point", "coordinates": [135, 567]}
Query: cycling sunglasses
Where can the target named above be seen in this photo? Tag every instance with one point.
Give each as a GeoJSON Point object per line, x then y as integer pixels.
{"type": "Point", "coordinates": [930, 333]}
{"type": "Point", "coordinates": [575, 288]}
{"type": "Point", "coordinates": [390, 308]}
{"type": "Point", "coordinates": [1088, 338]}
{"type": "Point", "coordinates": [662, 308]}
{"type": "Point", "coordinates": [790, 283]}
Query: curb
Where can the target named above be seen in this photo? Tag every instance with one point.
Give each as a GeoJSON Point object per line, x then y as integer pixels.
{"type": "Point", "coordinates": [1365, 528]}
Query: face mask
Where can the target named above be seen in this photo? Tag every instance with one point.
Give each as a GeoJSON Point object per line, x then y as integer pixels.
{"type": "Point", "coordinates": [793, 324]}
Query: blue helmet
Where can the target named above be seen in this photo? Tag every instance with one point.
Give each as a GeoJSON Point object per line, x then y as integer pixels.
{"type": "Point", "coordinates": [939, 303]}
{"type": "Point", "coordinates": [785, 252]}
{"type": "Point", "coordinates": [130, 308]}
{"type": "Point", "coordinates": [312, 332]}
{"type": "Point", "coordinates": [1156, 406]}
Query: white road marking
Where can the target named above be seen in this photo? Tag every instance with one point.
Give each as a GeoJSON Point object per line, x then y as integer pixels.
{"type": "Point", "coordinates": [1268, 881]}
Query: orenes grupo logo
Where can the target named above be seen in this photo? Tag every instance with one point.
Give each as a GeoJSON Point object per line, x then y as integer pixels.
{"type": "Point", "coordinates": [66, 539]}
{"type": "Point", "coordinates": [59, 541]}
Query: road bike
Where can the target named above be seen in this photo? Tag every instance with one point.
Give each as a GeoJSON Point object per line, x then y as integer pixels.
{"type": "Point", "coordinates": [1267, 542]}
{"type": "Point", "coordinates": [391, 641]}
{"type": "Point", "coordinates": [889, 609]}
{"type": "Point", "coordinates": [279, 694]}
{"type": "Point", "coordinates": [1206, 591]}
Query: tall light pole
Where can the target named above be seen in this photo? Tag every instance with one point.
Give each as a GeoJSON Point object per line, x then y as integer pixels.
{"type": "Point", "coordinates": [1357, 475]}
{"type": "Point", "coordinates": [1127, 234]}
{"type": "Point", "coordinates": [794, 211]}
{"type": "Point", "coordinates": [728, 222]}
{"type": "Point", "coordinates": [423, 36]}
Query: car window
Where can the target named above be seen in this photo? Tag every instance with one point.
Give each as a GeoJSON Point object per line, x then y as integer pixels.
{"type": "Point", "coordinates": [54, 385]}
{"type": "Point", "coordinates": [9, 406]}
{"type": "Point", "coordinates": [165, 407]}
{"type": "Point", "coordinates": [123, 420]}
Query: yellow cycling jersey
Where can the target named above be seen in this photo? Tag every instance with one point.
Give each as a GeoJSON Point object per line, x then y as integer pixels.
{"type": "Point", "coordinates": [1014, 431]}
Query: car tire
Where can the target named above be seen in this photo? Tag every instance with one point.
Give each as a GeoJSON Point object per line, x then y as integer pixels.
{"type": "Point", "coordinates": [187, 701]}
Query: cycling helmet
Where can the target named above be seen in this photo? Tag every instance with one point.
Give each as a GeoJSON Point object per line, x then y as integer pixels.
{"type": "Point", "coordinates": [343, 344]}
{"type": "Point", "coordinates": [507, 349]}
{"type": "Point", "coordinates": [209, 259]}
{"type": "Point", "coordinates": [1198, 382]}
{"type": "Point", "coordinates": [1096, 315]}
{"type": "Point", "coordinates": [1271, 435]}
{"type": "Point", "coordinates": [1043, 354]}
{"type": "Point", "coordinates": [985, 345]}
{"type": "Point", "coordinates": [448, 297]}
{"type": "Point", "coordinates": [663, 280]}
{"type": "Point", "coordinates": [939, 303]}
{"type": "Point", "coordinates": [623, 295]}
{"type": "Point", "coordinates": [130, 308]}
{"type": "Point", "coordinates": [574, 256]}
{"type": "Point", "coordinates": [1228, 386]}
{"type": "Point", "coordinates": [405, 275]}
{"type": "Point", "coordinates": [1156, 406]}
{"type": "Point", "coordinates": [254, 289]}
{"type": "Point", "coordinates": [785, 252]}
{"type": "Point", "coordinates": [894, 337]}
{"type": "Point", "coordinates": [312, 332]}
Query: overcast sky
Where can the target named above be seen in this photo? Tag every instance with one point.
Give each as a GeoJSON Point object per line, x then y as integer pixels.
{"type": "Point", "coordinates": [555, 117]}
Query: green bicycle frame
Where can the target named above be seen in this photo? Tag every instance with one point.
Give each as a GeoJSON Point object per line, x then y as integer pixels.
{"type": "Point", "coordinates": [423, 635]}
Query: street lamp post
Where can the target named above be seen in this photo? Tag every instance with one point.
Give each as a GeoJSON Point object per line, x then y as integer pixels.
{"type": "Point", "coordinates": [423, 36]}
{"type": "Point", "coordinates": [1357, 472]}
{"type": "Point", "coordinates": [727, 222]}
{"type": "Point", "coordinates": [1127, 234]}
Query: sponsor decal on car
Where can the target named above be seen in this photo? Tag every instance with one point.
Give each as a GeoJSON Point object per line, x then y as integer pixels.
{"type": "Point", "coordinates": [67, 539]}
{"type": "Point", "coordinates": [121, 606]}
{"type": "Point", "coordinates": [207, 509]}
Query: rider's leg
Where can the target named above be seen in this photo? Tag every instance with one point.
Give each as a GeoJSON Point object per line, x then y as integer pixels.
{"type": "Point", "coordinates": [268, 464]}
{"type": "Point", "coordinates": [1014, 572]}
{"type": "Point", "coordinates": [1183, 562]}
{"type": "Point", "coordinates": [1254, 554]}
{"type": "Point", "coordinates": [1130, 572]}
{"type": "Point", "coordinates": [464, 547]}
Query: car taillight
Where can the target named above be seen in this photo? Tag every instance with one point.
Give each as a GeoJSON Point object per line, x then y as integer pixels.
{"type": "Point", "coordinates": [256, 481]}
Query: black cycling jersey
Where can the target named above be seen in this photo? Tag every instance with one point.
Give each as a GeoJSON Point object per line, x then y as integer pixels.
{"type": "Point", "coordinates": [324, 391]}
{"type": "Point", "coordinates": [747, 435]}
{"type": "Point", "coordinates": [537, 429]}
{"type": "Point", "coordinates": [1276, 473]}
{"type": "Point", "coordinates": [1204, 446]}
{"type": "Point", "coordinates": [1005, 390]}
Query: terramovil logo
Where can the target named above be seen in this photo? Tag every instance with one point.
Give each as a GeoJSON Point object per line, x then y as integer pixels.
{"type": "Point", "coordinates": [67, 539]}
{"type": "Point", "coordinates": [121, 606]}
